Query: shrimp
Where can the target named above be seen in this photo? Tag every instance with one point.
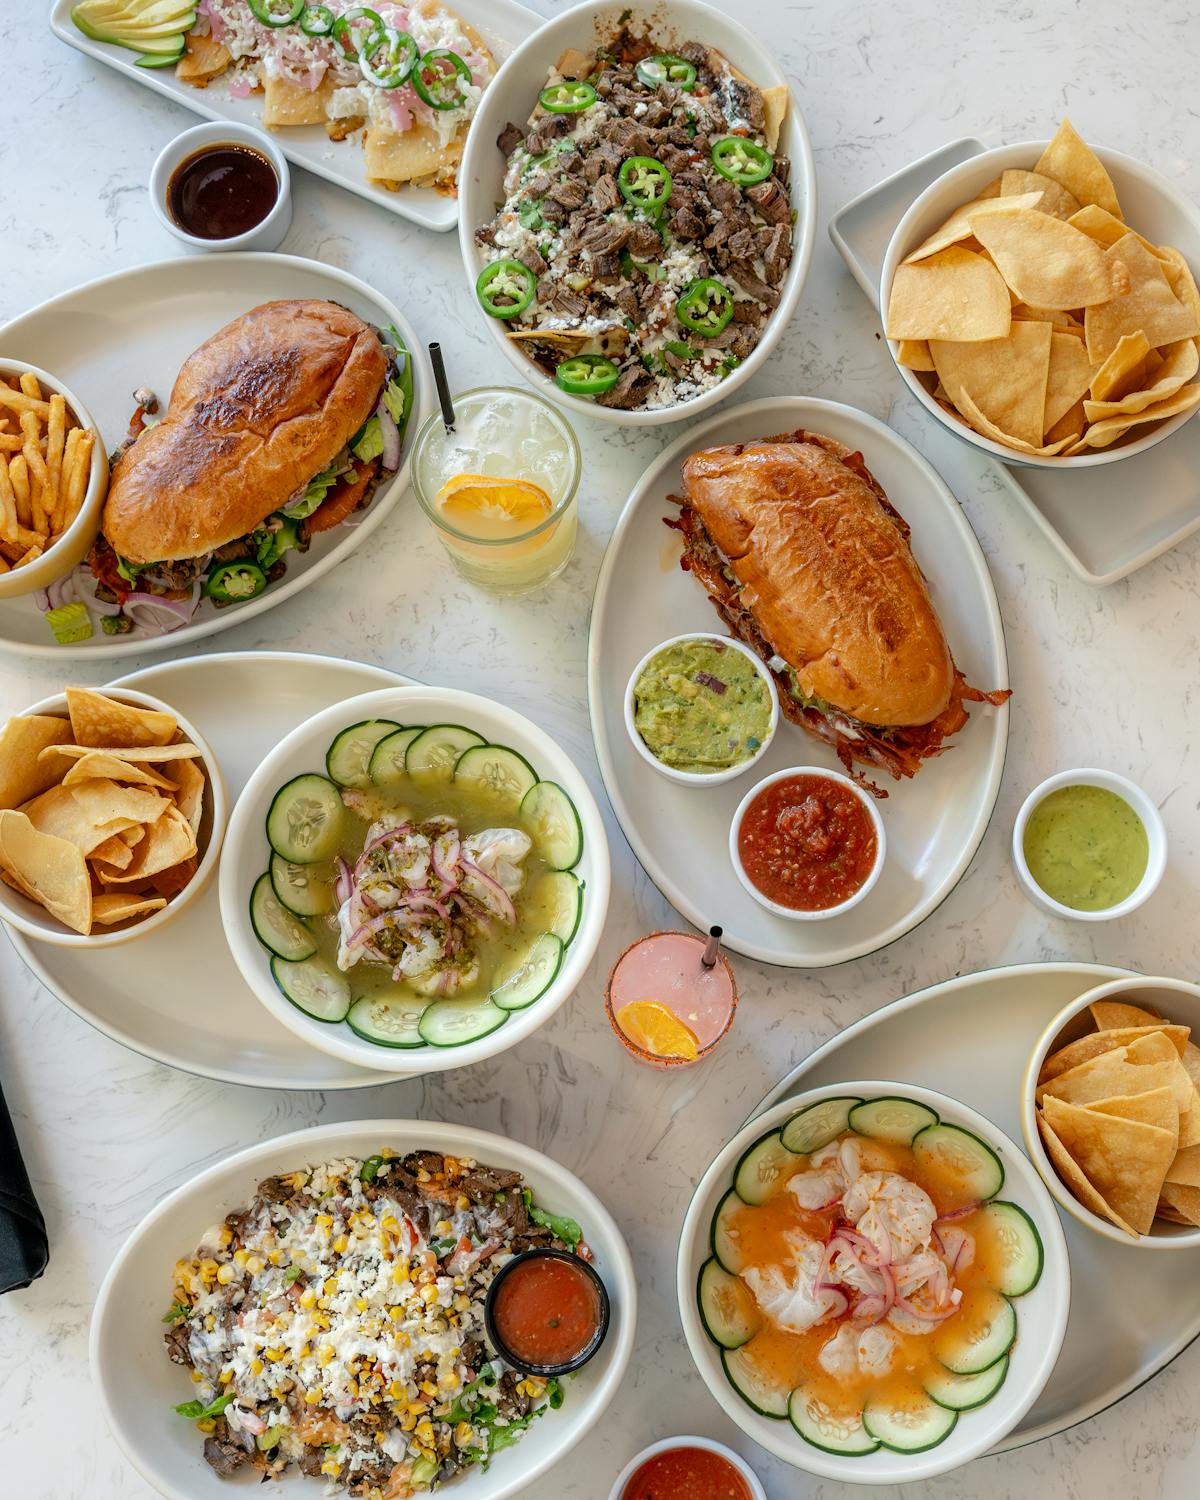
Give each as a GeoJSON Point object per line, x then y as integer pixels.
{"type": "Point", "coordinates": [498, 852]}
{"type": "Point", "coordinates": [449, 978]}
{"type": "Point", "coordinates": [893, 1213]}
{"type": "Point", "coordinates": [788, 1295]}
{"type": "Point", "coordinates": [852, 1349]}
{"type": "Point", "coordinates": [815, 1190]}
{"type": "Point", "coordinates": [423, 951]}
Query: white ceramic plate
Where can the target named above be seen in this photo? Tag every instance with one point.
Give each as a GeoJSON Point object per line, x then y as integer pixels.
{"type": "Point", "coordinates": [177, 995]}
{"type": "Point", "coordinates": [934, 822]}
{"type": "Point", "coordinates": [972, 1036]}
{"type": "Point", "coordinates": [137, 1386]}
{"type": "Point", "coordinates": [1085, 516]}
{"type": "Point", "coordinates": [136, 328]}
{"type": "Point", "coordinates": [503, 24]}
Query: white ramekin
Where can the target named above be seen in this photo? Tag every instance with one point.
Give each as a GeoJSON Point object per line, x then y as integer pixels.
{"type": "Point", "coordinates": [790, 912]}
{"type": "Point", "coordinates": [699, 778]}
{"type": "Point", "coordinates": [666, 1445]}
{"type": "Point", "coordinates": [1129, 792]}
{"type": "Point", "coordinates": [267, 235]}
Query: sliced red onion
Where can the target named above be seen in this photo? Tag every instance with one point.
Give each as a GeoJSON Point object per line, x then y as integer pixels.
{"type": "Point", "coordinates": [920, 1314]}
{"type": "Point", "coordinates": [345, 882]}
{"type": "Point", "coordinates": [715, 683]}
{"type": "Point", "coordinates": [161, 616]}
{"type": "Point", "coordinates": [391, 437]}
{"type": "Point", "coordinates": [502, 896]}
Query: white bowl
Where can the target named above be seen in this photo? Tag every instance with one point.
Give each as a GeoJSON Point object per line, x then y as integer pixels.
{"type": "Point", "coordinates": [36, 922]}
{"type": "Point", "coordinates": [137, 1386]}
{"type": "Point", "coordinates": [247, 854]}
{"type": "Point", "coordinates": [1152, 205]}
{"type": "Point", "coordinates": [1156, 835]}
{"type": "Point", "coordinates": [700, 778]}
{"type": "Point", "coordinates": [269, 233]}
{"type": "Point", "coordinates": [512, 94]}
{"type": "Point", "coordinates": [1041, 1313]}
{"type": "Point", "coordinates": [1178, 1001]}
{"type": "Point", "coordinates": [75, 543]}
{"type": "Point", "coordinates": [790, 912]}
{"type": "Point", "coordinates": [668, 1445]}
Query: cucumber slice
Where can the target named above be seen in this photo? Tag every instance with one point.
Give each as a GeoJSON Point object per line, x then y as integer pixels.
{"type": "Point", "coordinates": [553, 824]}
{"type": "Point", "coordinates": [982, 1333]}
{"type": "Point", "coordinates": [453, 1023]}
{"type": "Point", "coordinates": [504, 775]}
{"type": "Point", "coordinates": [727, 1308]}
{"type": "Point", "coordinates": [910, 1426]}
{"type": "Point", "coordinates": [304, 823]}
{"type": "Point", "coordinates": [817, 1125]}
{"type": "Point", "coordinates": [973, 1164]}
{"type": "Point", "coordinates": [390, 1020]}
{"type": "Point", "coordinates": [761, 1168]}
{"type": "Point", "coordinates": [305, 890]}
{"type": "Point", "coordinates": [434, 751]}
{"type": "Point", "coordinates": [314, 987]}
{"type": "Point", "coordinates": [753, 1385]}
{"type": "Point", "coordinates": [349, 757]}
{"type": "Point", "coordinates": [965, 1392]}
{"type": "Point", "coordinates": [830, 1431]}
{"type": "Point", "coordinates": [1018, 1246]}
{"type": "Point", "coordinates": [520, 981]}
{"type": "Point", "coordinates": [275, 927]}
{"type": "Point", "coordinates": [555, 903]}
{"type": "Point", "coordinates": [724, 1237]}
{"type": "Point", "coordinates": [386, 765]}
{"type": "Point", "coordinates": [891, 1119]}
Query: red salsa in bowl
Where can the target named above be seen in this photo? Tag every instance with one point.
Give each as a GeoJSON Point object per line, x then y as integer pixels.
{"type": "Point", "coordinates": [807, 842]}
{"type": "Point", "coordinates": [547, 1312]}
{"type": "Point", "coordinates": [686, 1473]}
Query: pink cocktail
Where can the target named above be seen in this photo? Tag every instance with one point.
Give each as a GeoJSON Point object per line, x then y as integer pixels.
{"type": "Point", "coordinates": [668, 969]}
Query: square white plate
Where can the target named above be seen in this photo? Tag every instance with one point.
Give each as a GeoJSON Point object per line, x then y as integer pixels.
{"type": "Point", "coordinates": [1105, 522]}
{"type": "Point", "coordinates": [503, 24]}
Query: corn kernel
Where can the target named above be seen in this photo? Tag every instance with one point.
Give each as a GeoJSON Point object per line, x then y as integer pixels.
{"type": "Point", "coordinates": [462, 1302]}
{"type": "Point", "coordinates": [387, 1153]}
{"type": "Point", "coordinates": [275, 1355]}
{"type": "Point", "coordinates": [448, 1381]}
{"type": "Point", "coordinates": [256, 1367]}
{"type": "Point", "coordinates": [197, 1377]}
{"type": "Point", "coordinates": [331, 1467]}
{"type": "Point", "coordinates": [407, 1423]}
{"type": "Point", "coordinates": [326, 1354]}
{"type": "Point", "coordinates": [275, 1257]}
{"type": "Point", "coordinates": [240, 1257]}
{"type": "Point", "coordinates": [324, 1221]}
{"type": "Point", "coordinates": [416, 1408]}
{"type": "Point", "coordinates": [225, 1236]}
{"type": "Point", "coordinates": [255, 1264]}
{"type": "Point", "coordinates": [361, 1304]}
{"type": "Point", "coordinates": [429, 1293]}
{"type": "Point", "coordinates": [389, 1221]}
{"type": "Point", "coordinates": [225, 1274]}
{"type": "Point", "coordinates": [424, 1431]}
{"type": "Point", "coordinates": [444, 1226]}
{"type": "Point", "coordinates": [462, 1202]}
{"type": "Point", "coordinates": [206, 1424]}
{"type": "Point", "coordinates": [312, 1397]}
{"type": "Point", "coordinates": [340, 1244]}
{"type": "Point", "coordinates": [463, 1434]}
{"type": "Point", "coordinates": [308, 1298]}
{"type": "Point", "coordinates": [400, 1272]}
{"type": "Point", "coordinates": [401, 1340]}
{"type": "Point", "coordinates": [227, 1375]}
{"type": "Point", "coordinates": [210, 1323]}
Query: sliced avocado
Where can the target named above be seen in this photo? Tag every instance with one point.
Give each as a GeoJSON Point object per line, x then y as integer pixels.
{"type": "Point", "coordinates": [156, 30]}
{"type": "Point", "coordinates": [160, 59]}
{"type": "Point", "coordinates": [132, 14]}
{"type": "Point", "coordinates": [167, 28]}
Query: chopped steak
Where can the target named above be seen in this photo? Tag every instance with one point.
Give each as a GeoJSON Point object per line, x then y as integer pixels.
{"type": "Point", "coordinates": [510, 138]}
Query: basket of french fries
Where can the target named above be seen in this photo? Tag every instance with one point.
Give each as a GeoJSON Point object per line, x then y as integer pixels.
{"type": "Point", "coordinates": [53, 479]}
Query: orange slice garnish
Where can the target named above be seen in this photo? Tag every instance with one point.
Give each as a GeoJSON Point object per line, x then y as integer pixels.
{"type": "Point", "coordinates": [657, 1030]}
{"type": "Point", "coordinates": [488, 500]}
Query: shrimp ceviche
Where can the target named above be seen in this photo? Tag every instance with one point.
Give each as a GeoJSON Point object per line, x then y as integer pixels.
{"type": "Point", "coordinates": [863, 1275]}
{"type": "Point", "coordinates": [336, 1323]}
{"type": "Point", "coordinates": [423, 890]}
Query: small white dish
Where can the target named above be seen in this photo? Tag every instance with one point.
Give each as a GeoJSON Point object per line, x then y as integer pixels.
{"type": "Point", "coordinates": [1128, 791]}
{"type": "Point", "coordinates": [137, 1385]}
{"type": "Point", "coordinates": [1153, 206]}
{"type": "Point", "coordinates": [700, 778]}
{"type": "Point", "coordinates": [668, 1445]}
{"type": "Point", "coordinates": [36, 922]}
{"type": "Point", "coordinates": [790, 912]}
{"type": "Point", "coordinates": [1177, 1001]}
{"type": "Point", "coordinates": [269, 232]}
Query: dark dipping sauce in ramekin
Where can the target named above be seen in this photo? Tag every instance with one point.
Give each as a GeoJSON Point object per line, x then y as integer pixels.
{"type": "Point", "coordinates": [222, 191]}
{"type": "Point", "coordinates": [547, 1311]}
{"type": "Point", "coordinates": [807, 843]}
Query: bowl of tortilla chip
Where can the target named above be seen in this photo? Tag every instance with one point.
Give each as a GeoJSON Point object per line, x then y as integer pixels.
{"type": "Point", "coordinates": [112, 812]}
{"type": "Point", "coordinates": [1110, 1111]}
{"type": "Point", "coordinates": [1040, 301]}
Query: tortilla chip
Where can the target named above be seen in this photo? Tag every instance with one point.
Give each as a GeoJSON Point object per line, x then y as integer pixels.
{"type": "Point", "coordinates": [1029, 313]}
{"type": "Point", "coordinates": [1069, 1170]}
{"type": "Point", "coordinates": [981, 424]}
{"type": "Point", "coordinates": [1109, 1014]}
{"type": "Point", "coordinates": [914, 354]}
{"type": "Point", "coordinates": [1103, 227]}
{"type": "Point", "coordinates": [57, 813]}
{"type": "Point", "coordinates": [1185, 1201]}
{"type": "Point", "coordinates": [1179, 365]}
{"type": "Point", "coordinates": [575, 64]}
{"type": "Point", "coordinates": [1076, 167]}
{"type": "Point", "coordinates": [1155, 1107]}
{"type": "Point", "coordinates": [1069, 377]}
{"type": "Point", "coordinates": [1148, 304]}
{"type": "Point", "coordinates": [190, 792]}
{"type": "Point", "coordinates": [112, 768]}
{"type": "Point", "coordinates": [1148, 1063]}
{"type": "Point", "coordinates": [1189, 1122]}
{"type": "Point", "coordinates": [1096, 1042]}
{"type": "Point", "coordinates": [1184, 1171]}
{"type": "Point", "coordinates": [97, 721]}
{"type": "Point", "coordinates": [1179, 274]}
{"type": "Point", "coordinates": [23, 774]}
{"type": "Point", "coordinates": [958, 226]}
{"type": "Point", "coordinates": [1124, 1160]}
{"type": "Point", "coordinates": [1191, 1062]}
{"type": "Point", "coordinates": [169, 841]}
{"type": "Point", "coordinates": [180, 750]}
{"type": "Point", "coordinates": [114, 852]}
{"type": "Point", "coordinates": [1165, 1211]}
{"type": "Point", "coordinates": [1005, 378]}
{"type": "Point", "coordinates": [1068, 429]}
{"type": "Point", "coordinates": [204, 58]}
{"type": "Point", "coordinates": [113, 907]}
{"type": "Point", "coordinates": [1101, 434]}
{"type": "Point", "coordinates": [1054, 199]}
{"type": "Point", "coordinates": [954, 294]}
{"type": "Point", "coordinates": [1047, 262]}
{"type": "Point", "coordinates": [415, 156]}
{"type": "Point", "coordinates": [775, 105]}
{"type": "Point", "coordinates": [286, 103]}
{"type": "Point", "coordinates": [47, 869]}
{"type": "Point", "coordinates": [133, 836]}
{"type": "Point", "coordinates": [1120, 370]}
{"type": "Point", "coordinates": [105, 801]}
{"type": "Point", "coordinates": [170, 882]}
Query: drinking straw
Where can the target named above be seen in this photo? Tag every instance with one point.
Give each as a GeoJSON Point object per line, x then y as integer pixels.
{"type": "Point", "coordinates": [443, 385]}
{"type": "Point", "coordinates": [709, 957]}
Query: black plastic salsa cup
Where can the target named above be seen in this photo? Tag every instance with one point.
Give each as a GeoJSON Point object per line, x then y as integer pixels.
{"type": "Point", "coordinates": [566, 1367]}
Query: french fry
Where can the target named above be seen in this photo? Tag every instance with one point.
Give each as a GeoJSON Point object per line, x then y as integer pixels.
{"type": "Point", "coordinates": [20, 402]}
{"type": "Point", "coordinates": [31, 556]}
{"type": "Point", "coordinates": [56, 432]}
{"type": "Point", "coordinates": [4, 566]}
{"type": "Point", "coordinates": [75, 479]}
{"type": "Point", "coordinates": [29, 384]}
{"type": "Point", "coordinates": [10, 442]}
{"type": "Point", "coordinates": [18, 474]}
{"type": "Point", "coordinates": [37, 472]}
{"type": "Point", "coordinates": [8, 506]}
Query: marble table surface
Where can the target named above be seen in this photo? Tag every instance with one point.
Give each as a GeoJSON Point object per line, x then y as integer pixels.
{"type": "Point", "coordinates": [1105, 678]}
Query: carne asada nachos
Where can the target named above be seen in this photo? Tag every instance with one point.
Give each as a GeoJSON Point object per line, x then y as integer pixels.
{"type": "Point", "coordinates": [646, 228]}
{"type": "Point", "coordinates": [336, 1323]}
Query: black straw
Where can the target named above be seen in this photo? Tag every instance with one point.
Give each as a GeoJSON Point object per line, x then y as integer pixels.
{"type": "Point", "coordinates": [443, 385]}
{"type": "Point", "coordinates": [709, 956]}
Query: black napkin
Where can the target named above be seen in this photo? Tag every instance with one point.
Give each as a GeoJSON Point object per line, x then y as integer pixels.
{"type": "Point", "coordinates": [24, 1248]}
